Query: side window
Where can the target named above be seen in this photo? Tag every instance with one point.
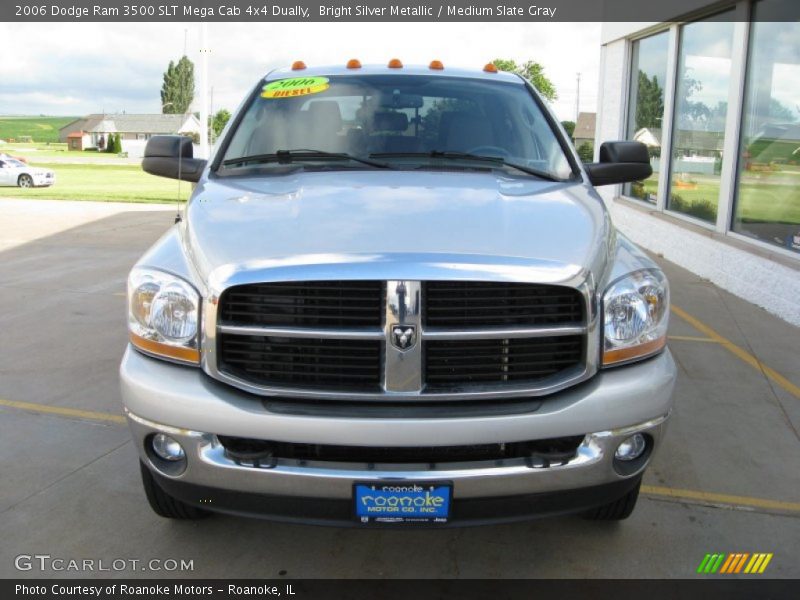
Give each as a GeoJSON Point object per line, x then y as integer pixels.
{"type": "Point", "coordinates": [646, 107]}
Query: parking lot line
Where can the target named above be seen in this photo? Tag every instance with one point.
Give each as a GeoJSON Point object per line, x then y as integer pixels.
{"type": "Point", "coordinates": [692, 338]}
{"type": "Point", "coordinates": [739, 352]}
{"type": "Point", "coordinates": [63, 411]}
{"type": "Point", "coordinates": [725, 500]}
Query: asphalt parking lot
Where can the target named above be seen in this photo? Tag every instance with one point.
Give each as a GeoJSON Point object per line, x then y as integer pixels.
{"type": "Point", "coordinates": [726, 480]}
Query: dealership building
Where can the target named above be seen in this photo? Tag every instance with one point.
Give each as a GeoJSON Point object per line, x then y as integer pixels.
{"type": "Point", "coordinates": [715, 95]}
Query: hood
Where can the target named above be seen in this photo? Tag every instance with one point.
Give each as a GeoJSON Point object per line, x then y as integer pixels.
{"type": "Point", "coordinates": [387, 224]}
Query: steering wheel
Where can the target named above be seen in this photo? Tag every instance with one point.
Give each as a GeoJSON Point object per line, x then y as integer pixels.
{"type": "Point", "coordinates": [489, 151]}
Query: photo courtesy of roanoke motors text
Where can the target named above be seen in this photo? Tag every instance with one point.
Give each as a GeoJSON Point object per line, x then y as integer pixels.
{"type": "Point", "coordinates": [376, 299]}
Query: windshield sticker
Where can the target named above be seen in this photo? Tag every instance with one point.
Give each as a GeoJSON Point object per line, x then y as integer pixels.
{"type": "Point", "coordinates": [297, 86]}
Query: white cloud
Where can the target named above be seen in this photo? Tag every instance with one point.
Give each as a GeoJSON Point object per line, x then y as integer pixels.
{"type": "Point", "coordinates": [75, 68]}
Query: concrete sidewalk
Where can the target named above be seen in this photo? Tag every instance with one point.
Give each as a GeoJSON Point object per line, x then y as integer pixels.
{"type": "Point", "coordinates": [726, 479]}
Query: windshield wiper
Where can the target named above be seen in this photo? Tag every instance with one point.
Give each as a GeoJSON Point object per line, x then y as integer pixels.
{"type": "Point", "coordinates": [454, 155]}
{"type": "Point", "coordinates": [289, 156]}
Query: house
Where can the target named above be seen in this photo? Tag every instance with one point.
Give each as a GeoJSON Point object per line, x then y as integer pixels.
{"type": "Point", "coordinates": [584, 128]}
{"type": "Point", "coordinates": [712, 91]}
{"type": "Point", "coordinates": [92, 131]}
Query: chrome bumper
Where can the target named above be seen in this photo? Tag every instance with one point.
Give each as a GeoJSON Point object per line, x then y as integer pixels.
{"type": "Point", "coordinates": [184, 403]}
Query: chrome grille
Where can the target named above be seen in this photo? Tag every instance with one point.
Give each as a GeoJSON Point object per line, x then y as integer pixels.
{"type": "Point", "coordinates": [339, 339]}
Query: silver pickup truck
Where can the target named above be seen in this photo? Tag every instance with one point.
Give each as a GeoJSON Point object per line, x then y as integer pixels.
{"type": "Point", "coordinates": [395, 298]}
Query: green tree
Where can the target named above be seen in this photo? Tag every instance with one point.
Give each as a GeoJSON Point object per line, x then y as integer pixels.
{"type": "Point", "coordinates": [114, 144]}
{"type": "Point", "coordinates": [649, 102]}
{"type": "Point", "coordinates": [691, 115]}
{"type": "Point", "coordinates": [569, 127]}
{"type": "Point", "coordinates": [110, 143]}
{"type": "Point", "coordinates": [533, 72]}
{"type": "Point", "coordinates": [177, 91]}
{"type": "Point", "coordinates": [586, 151]}
{"type": "Point", "coordinates": [218, 122]}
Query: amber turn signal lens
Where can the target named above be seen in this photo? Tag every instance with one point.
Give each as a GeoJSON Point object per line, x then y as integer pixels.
{"type": "Point", "coordinates": [353, 63]}
{"type": "Point", "coordinates": [625, 354]}
{"type": "Point", "coordinates": [490, 68]}
{"type": "Point", "coordinates": [298, 65]}
{"type": "Point", "coordinates": [395, 64]}
{"type": "Point", "coordinates": [436, 64]}
{"type": "Point", "coordinates": [187, 355]}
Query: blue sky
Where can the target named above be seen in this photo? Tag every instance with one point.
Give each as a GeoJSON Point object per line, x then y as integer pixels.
{"type": "Point", "coordinates": [79, 68]}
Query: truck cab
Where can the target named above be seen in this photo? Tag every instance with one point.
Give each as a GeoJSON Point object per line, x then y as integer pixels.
{"type": "Point", "coordinates": [394, 299]}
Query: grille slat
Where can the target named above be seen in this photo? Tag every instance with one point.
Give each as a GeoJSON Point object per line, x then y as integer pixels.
{"type": "Point", "coordinates": [500, 360]}
{"type": "Point", "coordinates": [305, 304]}
{"type": "Point", "coordinates": [330, 364]}
{"type": "Point", "coordinates": [470, 304]}
{"type": "Point", "coordinates": [556, 449]}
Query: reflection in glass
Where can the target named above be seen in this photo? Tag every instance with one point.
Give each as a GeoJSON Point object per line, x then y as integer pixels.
{"type": "Point", "coordinates": [701, 106]}
{"type": "Point", "coordinates": [768, 186]}
{"type": "Point", "coordinates": [646, 112]}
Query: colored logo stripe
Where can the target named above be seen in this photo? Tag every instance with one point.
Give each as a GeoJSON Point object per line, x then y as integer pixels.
{"type": "Point", "coordinates": [734, 563]}
{"type": "Point", "coordinates": [758, 563]}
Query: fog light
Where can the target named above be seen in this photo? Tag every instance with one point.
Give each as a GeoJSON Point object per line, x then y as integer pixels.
{"type": "Point", "coordinates": [167, 448]}
{"type": "Point", "coordinates": [631, 448]}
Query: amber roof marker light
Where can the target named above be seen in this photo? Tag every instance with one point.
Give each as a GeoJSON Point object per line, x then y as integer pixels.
{"type": "Point", "coordinates": [490, 68]}
{"type": "Point", "coordinates": [353, 63]}
{"type": "Point", "coordinates": [298, 65]}
{"type": "Point", "coordinates": [436, 65]}
{"type": "Point", "coordinates": [395, 63]}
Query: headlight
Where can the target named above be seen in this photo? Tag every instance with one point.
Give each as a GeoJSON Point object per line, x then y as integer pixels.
{"type": "Point", "coordinates": [635, 317]}
{"type": "Point", "coordinates": [163, 315]}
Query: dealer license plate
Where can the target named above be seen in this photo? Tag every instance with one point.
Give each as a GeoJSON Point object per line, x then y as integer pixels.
{"type": "Point", "coordinates": [402, 502]}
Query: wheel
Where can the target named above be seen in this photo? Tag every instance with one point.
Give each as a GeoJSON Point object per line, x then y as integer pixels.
{"type": "Point", "coordinates": [25, 181]}
{"type": "Point", "coordinates": [617, 510]}
{"type": "Point", "coordinates": [165, 505]}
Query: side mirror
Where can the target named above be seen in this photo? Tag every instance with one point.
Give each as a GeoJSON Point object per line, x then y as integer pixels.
{"type": "Point", "coordinates": [171, 156]}
{"type": "Point", "coordinates": [620, 162]}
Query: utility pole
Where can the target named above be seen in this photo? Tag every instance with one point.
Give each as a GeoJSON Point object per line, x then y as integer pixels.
{"type": "Point", "coordinates": [204, 52]}
{"type": "Point", "coordinates": [211, 116]}
{"type": "Point", "coordinates": [578, 99]}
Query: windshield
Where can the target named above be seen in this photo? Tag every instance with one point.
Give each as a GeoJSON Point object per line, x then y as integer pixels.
{"type": "Point", "coordinates": [395, 121]}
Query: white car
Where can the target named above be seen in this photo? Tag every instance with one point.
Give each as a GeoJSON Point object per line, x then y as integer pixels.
{"type": "Point", "coordinates": [16, 173]}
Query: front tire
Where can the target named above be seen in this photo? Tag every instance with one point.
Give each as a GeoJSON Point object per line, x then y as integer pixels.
{"type": "Point", "coordinates": [165, 505]}
{"type": "Point", "coordinates": [25, 181]}
{"type": "Point", "coordinates": [618, 510]}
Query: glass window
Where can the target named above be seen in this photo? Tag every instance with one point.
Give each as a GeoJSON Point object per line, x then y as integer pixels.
{"type": "Point", "coordinates": [646, 106]}
{"type": "Point", "coordinates": [768, 187]}
{"type": "Point", "coordinates": [701, 106]}
{"type": "Point", "coordinates": [399, 120]}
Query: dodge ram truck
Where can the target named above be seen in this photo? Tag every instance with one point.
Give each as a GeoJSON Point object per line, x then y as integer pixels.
{"type": "Point", "coordinates": [394, 299]}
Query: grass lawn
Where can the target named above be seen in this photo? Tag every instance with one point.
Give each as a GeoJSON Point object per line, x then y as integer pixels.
{"type": "Point", "coordinates": [41, 129]}
{"type": "Point", "coordinates": [104, 183]}
{"type": "Point", "coordinates": [776, 198]}
{"type": "Point", "coordinates": [36, 153]}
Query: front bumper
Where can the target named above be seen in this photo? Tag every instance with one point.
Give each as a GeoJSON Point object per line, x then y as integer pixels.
{"type": "Point", "coordinates": [41, 180]}
{"type": "Point", "coordinates": [186, 404]}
